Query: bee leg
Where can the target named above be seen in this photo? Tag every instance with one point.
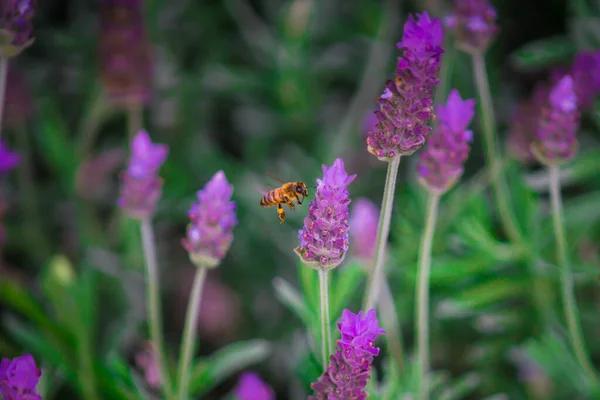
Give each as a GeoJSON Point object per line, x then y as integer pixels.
{"type": "Point", "coordinates": [281, 213]}
{"type": "Point", "coordinates": [300, 201]}
{"type": "Point", "coordinates": [290, 203]}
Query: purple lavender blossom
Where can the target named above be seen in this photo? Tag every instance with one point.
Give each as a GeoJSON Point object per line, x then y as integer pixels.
{"type": "Point", "coordinates": [141, 187]}
{"type": "Point", "coordinates": [586, 78]}
{"type": "Point", "coordinates": [442, 161]}
{"type": "Point", "coordinates": [556, 142]}
{"type": "Point", "coordinates": [324, 238]}
{"type": "Point", "coordinates": [369, 122]}
{"type": "Point", "coordinates": [15, 26]}
{"type": "Point", "coordinates": [349, 367]}
{"type": "Point", "coordinates": [364, 220]}
{"type": "Point", "coordinates": [125, 53]}
{"type": "Point", "coordinates": [474, 25]}
{"type": "Point", "coordinates": [405, 106]}
{"type": "Point", "coordinates": [209, 235]}
{"type": "Point", "coordinates": [8, 159]}
{"type": "Point", "coordinates": [251, 387]}
{"type": "Point", "coordinates": [19, 378]}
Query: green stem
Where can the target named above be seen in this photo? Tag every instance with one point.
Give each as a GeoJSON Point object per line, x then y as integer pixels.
{"type": "Point", "coordinates": [3, 73]}
{"type": "Point", "coordinates": [191, 324]}
{"type": "Point", "coordinates": [324, 315]}
{"type": "Point", "coordinates": [391, 324]}
{"type": "Point", "coordinates": [566, 279]}
{"type": "Point", "coordinates": [153, 298]}
{"type": "Point", "coordinates": [498, 179]}
{"type": "Point", "coordinates": [422, 306]}
{"type": "Point", "coordinates": [383, 231]}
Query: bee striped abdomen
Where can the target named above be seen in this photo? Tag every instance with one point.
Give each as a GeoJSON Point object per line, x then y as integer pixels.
{"type": "Point", "coordinates": [271, 198]}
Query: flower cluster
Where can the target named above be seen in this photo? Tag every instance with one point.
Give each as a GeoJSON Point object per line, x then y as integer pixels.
{"type": "Point", "coordinates": [19, 378]}
{"type": "Point", "coordinates": [559, 120]}
{"type": "Point", "coordinates": [15, 26]}
{"type": "Point", "coordinates": [209, 235]}
{"type": "Point", "coordinates": [474, 25]}
{"type": "Point", "coordinates": [349, 367]}
{"type": "Point", "coordinates": [324, 238]}
{"type": "Point", "coordinates": [251, 387]}
{"type": "Point", "coordinates": [125, 57]}
{"type": "Point", "coordinates": [442, 162]}
{"type": "Point", "coordinates": [141, 187]}
{"type": "Point", "coordinates": [405, 107]}
{"type": "Point", "coordinates": [364, 220]}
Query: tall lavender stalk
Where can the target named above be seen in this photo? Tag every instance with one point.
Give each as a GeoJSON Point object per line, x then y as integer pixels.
{"type": "Point", "coordinates": [324, 237]}
{"type": "Point", "coordinates": [208, 239]}
{"type": "Point", "coordinates": [405, 109]}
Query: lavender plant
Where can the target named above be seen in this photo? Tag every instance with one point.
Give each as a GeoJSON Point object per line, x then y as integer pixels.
{"type": "Point", "coordinates": [251, 387]}
{"type": "Point", "coordinates": [19, 378]}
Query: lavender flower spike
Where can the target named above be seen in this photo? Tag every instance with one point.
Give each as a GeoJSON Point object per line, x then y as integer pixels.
{"type": "Point", "coordinates": [363, 228]}
{"type": "Point", "coordinates": [474, 24]}
{"type": "Point", "coordinates": [405, 107]}
{"type": "Point", "coordinates": [141, 187]}
{"type": "Point", "coordinates": [442, 161]}
{"type": "Point", "coordinates": [350, 367]}
{"type": "Point", "coordinates": [8, 159]}
{"type": "Point", "coordinates": [209, 235]}
{"type": "Point", "coordinates": [19, 378]}
{"type": "Point", "coordinates": [251, 387]}
{"type": "Point", "coordinates": [324, 238]}
{"type": "Point", "coordinates": [15, 26]}
{"type": "Point", "coordinates": [556, 142]}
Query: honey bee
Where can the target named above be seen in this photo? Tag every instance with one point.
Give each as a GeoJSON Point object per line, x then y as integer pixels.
{"type": "Point", "coordinates": [286, 194]}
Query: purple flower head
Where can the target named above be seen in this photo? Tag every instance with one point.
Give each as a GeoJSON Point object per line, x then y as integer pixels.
{"type": "Point", "coordinates": [364, 219]}
{"type": "Point", "coordinates": [474, 24]}
{"type": "Point", "coordinates": [369, 122]}
{"type": "Point", "coordinates": [15, 26]}
{"type": "Point", "coordinates": [442, 161]}
{"type": "Point", "coordinates": [349, 367]}
{"type": "Point", "coordinates": [125, 54]}
{"type": "Point", "coordinates": [8, 159]}
{"type": "Point", "coordinates": [586, 78]}
{"type": "Point", "coordinates": [19, 378]}
{"type": "Point", "coordinates": [559, 120]}
{"type": "Point", "coordinates": [324, 238]}
{"type": "Point", "coordinates": [141, 187]}
{"type": "Point", "coordinates": [405, 106]}
{"type": "Point", "coordinates": [251, 387]}
{"type": "Point", "coordinates": [212, 219]}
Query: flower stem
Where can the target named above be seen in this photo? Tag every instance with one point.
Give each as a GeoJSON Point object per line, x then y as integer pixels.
{"type": "Point", "coordinates": [3, 73]}
{"type": "Point", "coordinates": [566, 279]}
{"type": "Point", "coordinates": [325, 320]}
{"type": "Point", "coordinates": [422, 306]}
{"type": "Point", "coordinates": [153, 297]}
{"type": "Point", "coordinates": [498, 179]}
{"type": "Point", "coordinates": [191, 324]}
{"type": "Point", "coordinates": [383, 231]}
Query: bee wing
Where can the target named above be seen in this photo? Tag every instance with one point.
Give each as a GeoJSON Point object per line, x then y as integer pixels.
{"type": "Point", "coordinates": [276, 178]}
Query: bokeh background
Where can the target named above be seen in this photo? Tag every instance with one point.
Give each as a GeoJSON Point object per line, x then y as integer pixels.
{"type": "Point", "coordinates": [253, 87]}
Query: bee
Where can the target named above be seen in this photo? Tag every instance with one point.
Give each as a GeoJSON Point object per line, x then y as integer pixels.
{"type": "Point", "coordinates": [286, 194]}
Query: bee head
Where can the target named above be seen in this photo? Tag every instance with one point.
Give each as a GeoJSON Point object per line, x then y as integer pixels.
{"type": "Point", "coordinates": [301, 189]}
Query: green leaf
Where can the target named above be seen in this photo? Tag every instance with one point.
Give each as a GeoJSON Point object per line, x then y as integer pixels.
{"type": "Point", "coordinates": [309, 283]}
{"type": "Point", "coordinates": [460, 388]}
{"type": "Point", "coordinates": [292, 298]}
{"type": "Point", "coordinates": [543, 53]}
{"type": "Point", "coordinates": [344, 286]}
{"type": "Point", "coordinates": [491, 292]}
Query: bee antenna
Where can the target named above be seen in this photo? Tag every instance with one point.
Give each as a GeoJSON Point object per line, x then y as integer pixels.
{"type": "Point", "coordinates": [312, 186]}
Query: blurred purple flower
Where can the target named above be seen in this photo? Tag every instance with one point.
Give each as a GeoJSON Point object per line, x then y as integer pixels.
{"type": "Point", "coordinates": [15, 26]}
{"type": "Point", "coordinates": [8, 159]}
{"type": "Point", "coordinates": [125, 53]}
{"type": "Point", "coordinates": [146, 360]}
{"type": "Point", "coordinates": [209, 235]}
{"type": "Point", "coordinates": [442, 161]}
{"type": "Point", "coordinates": [141, 187]}
{"type": "Point", "coordinates": [18, 104]}
{"type": "Point", "coordinates": [324, 238]}
{"type": "Point", "coordinates": [369, 122]}
{"type": "Point", "coordinates": [92, 179]}
{"type": "Point", "coordinates": [349, 367]}
{"type": "Point", "coordinates": [19, 378]}
{"type": "Point", "coordinates": [405, 106]}
{"type": "Point", "coordinates": [586, 78]}
{"type": "Point", "coordinates": [556, 142]}
{"type": "Point", "coordinates": [364, 219]}
{"type": "Point", "coordinates": [251, 387]}
{"type": "Point", "coordinates": [474, 25]}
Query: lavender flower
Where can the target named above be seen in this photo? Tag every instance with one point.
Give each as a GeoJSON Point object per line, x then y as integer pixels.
{"type": "Point", "coordinates": [209, 234]}
{"type": "Point", "coordinates": [126, 65]}
{"type": "Point", "coordinates": [405, 107]}
{"type": "Point", "coordinates": [474, 25]}
{"type": "Point", "coordinates": [364, 219]}
{"type": "Point", "coordinates": [19, 378]}
{"type": "Point", "coordinates": [442, 161]}
{"type": "Point", "coordinates": [8, 159]}
{"type": "Point", "coordinates": [141, 186]}
{"type": "Point", "coordinates": [324, 238]}
{"type": "Point", "coordinates": [251, 387]}
{"type": "Point", "coordinates": [586, 78]}
{"type": "Point", "coordinates": [349, 367]}
{"type": "Point", "coordinates": [15, 26]}
{"type": "Point", "coordinates": [369, 122]}
{"type": "Point", "coordinates": [556, 142]}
